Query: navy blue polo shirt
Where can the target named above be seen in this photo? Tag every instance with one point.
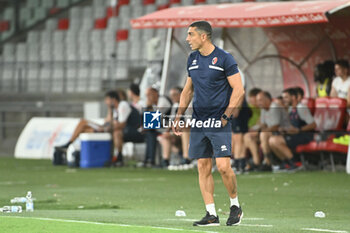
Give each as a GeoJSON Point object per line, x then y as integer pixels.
{"type": "Point", "coordinates": [212, 90]}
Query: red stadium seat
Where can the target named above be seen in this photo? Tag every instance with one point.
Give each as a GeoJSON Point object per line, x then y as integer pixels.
{"type": "Point", "coordinates": [101, 23]}
{"type": "Point", "coordinates": [63, 24]}
{"type": "Point", "coordinates": [148, 2]}
{"type": "Point", "coordinates": [54, 10]}
{"type": "Point", "coordinates": [174, 2]}
{"type": "Point", "coordinates": [321, 108]}
{"type": "Point", "coordinates": [310, 103]}
{"type": "Point", "coordinates": [329, 116]}
{"type": "Point", "coordinates": [4, 26]}
{"type": "Point", "coordinates": [112, 11]}
{"type": "Point", "coordinates": [337, 112]}
{"type": "Point", "coordinates": [122, 35]}
{"type": "Point", "coordinates": [123, 2]}
{"type": "Point", "coordinates": [162, 7]}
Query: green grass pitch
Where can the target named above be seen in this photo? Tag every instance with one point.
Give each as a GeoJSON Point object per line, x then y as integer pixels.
{"type": "Point", "coordinates": [145, 200]}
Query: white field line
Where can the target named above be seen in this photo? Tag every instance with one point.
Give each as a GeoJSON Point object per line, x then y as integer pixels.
{"type": "Point", "coordinates": [107, 224]}
{"type": "Point", "coordinates": [254, 225]}
{"type": "Point", "coordinates": [323, 230]}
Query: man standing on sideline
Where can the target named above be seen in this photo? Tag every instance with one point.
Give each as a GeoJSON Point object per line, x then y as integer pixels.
{"type": "Point", "coordinates": [214, 81]}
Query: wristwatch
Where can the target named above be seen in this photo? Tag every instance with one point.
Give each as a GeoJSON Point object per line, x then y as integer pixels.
{"type": "Point", "coordinates": [225, 117]}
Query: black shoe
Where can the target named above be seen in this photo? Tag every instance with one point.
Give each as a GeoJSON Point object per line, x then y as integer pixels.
{"type": "Point", "coordinates": [63, 147]}
{"type": "Point", "coordinates": [208, 220]}
{"type": "Point", "coordinates": [236, 216]}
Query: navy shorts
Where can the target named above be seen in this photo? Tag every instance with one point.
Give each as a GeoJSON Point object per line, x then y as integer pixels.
{"type": "Point", "coordinates": [206, 143]}
{"type": "Point", "coordinates": [294, 140]}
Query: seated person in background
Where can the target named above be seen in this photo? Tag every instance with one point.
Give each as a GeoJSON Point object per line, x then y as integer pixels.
{"type": "Point", "coordinates": [122, 95]}
{"type": "Point", "coordinates": [169, 140]}
{"type": "Point", "coordinates": [239, 128]}
{"type": "Point", "coordinates": [300, 132]}
{"type": "Point", "coordinates": [134, 96]}
{"type": "Point", "coordinates": [126, 126]}
{"type": "Point", "coordinates": [86, 126]}
{"type": "Point", "coordinates": [254, 119]}
{"type": "Point", "coordinates": [323, 76]}
{"type": "Point", "coordinates": [341, 84]}
{"type": "Point", "coordinates": [154, 102]}
{"type": "Point", "coordinates": [279, 100]}
{"type": "Point", "coordinates": [300, 94]}
{"type": "Point", "coordinates": [272, 117]}
{"type": "Point", "coordinates": [126, 121]}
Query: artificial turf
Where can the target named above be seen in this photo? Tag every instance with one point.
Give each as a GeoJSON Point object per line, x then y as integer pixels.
{"type": "Point", "coordinates": [145, 200]}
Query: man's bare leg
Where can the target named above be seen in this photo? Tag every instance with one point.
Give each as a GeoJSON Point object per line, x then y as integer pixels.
{"type": "Point", "coordinates": [264, 139]}
{"type": "Point", "coordinates": [227, 175]}
{"type": "Point", "coordinates": [82, 127]}
{"type": "Point", "coordinates": [118, 145]}
{"type": "Point", "coordinates": [250, 141]}
{"type": "Point", "coordinates": [230, 182]}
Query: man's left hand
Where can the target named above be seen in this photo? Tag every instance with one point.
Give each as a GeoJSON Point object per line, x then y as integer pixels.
{"type": "Point", "coordinates": [223, 122]}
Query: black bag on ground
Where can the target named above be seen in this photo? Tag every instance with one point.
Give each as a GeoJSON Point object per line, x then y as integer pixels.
{"type": "Point", "coordinates": [59, 157]}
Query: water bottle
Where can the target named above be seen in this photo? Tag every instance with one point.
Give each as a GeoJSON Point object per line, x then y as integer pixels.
{"type": "Point", "coordinates": [29, 202]}
{"type": "Point", "coordinates": [11, 209]}
{"type": "Point", "coordinates": [19, 200]}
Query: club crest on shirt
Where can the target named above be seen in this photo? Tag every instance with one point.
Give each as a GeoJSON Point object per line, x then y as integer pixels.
{"type": "Point", "coordinates": [194, 62]}
{"type": "Point", "coordinates": [214, 61]}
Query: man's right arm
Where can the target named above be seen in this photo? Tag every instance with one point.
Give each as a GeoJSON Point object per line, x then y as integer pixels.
{"type": "Point", "coordinates": [186, 97]}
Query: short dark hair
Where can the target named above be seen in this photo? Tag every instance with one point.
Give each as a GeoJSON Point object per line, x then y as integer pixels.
{"type": "Point", "coordinates": [254, 91]}
{"type": "Point", "coordinates": [291, 91]}
{"type": "Point", "coordinates": [343, 63]}
{"type": "Point", "coordinates": [203, 26]}
{"type": "Point", "coordinates": [113, 95]}
{"type": "Point", "coordinates": [179, 89]}
{"type": "Point", "coordinates": [134, 88]}
{"type": "Point", "coordinates": [300, 91]}
{"type": "Point", "coordinates": [266, 94]}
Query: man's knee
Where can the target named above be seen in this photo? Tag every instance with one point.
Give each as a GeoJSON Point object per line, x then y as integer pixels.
{"type": "Point", "coordinates": [224, 167]}
{"type": "Point", "coordinates": [118, 133]}
{"type": "Point", "coordinates": [204, 166]}
{"type": "Point", "coordinates": [248, 138]}
{"type": "Point", "coordinates": [264, 136]}
{"type": "Point", "coordinates": [273, 141]}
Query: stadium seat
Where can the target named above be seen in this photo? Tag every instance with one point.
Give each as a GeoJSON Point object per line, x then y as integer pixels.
{"type": "Point", "coordinates": [21, 52]}
{"type": "Point", "coordinates": [48, 3]}
{"type": "Point", "coordinates": [71, 75]}
{"type": "Point", "coordinates": [24, 16]}
{"type": "Point", "coordinates": [39, 14]}
{"type": "Point", "coordinates": [162, 2]}
{"type": "Point", "coordinates": [4, 26]}
{"type": "Point", "coordinates": [310, 103]}
{"type": "Point", "coordinates": [148, 2]}
{"type": "Point", "coordinates": [87, 12]}
{"type": "Point", "coordinates": [123, 2]}
{"type": "Point", "coordinates": [51, 24]}
{"type": "Point", "coordinates": [63, 24]}
{"type": "Point", "coordinates": [62, 3]}
{"type": "Point", "coordinates": [9, 52]}
{"type": "Point", "coordinates": [112, 11]}
{"type": "Point", "coordinates": [329, 116]}
{"type": "Point", "coordinates": [45, 78]}
{"type": "Point", "coordinates": [100, 23]}
{"type": "Point", "coordinates": [58, 78]}
{"type": "Point", "coordinates": [99, 12]}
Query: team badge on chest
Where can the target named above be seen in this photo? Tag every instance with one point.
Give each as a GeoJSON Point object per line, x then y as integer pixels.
{"type": "Point", "coordinates": [214, 61]}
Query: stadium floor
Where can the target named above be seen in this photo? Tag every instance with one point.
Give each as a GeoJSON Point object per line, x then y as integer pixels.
{"type": "Point", "coordinates": [145, 200]}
